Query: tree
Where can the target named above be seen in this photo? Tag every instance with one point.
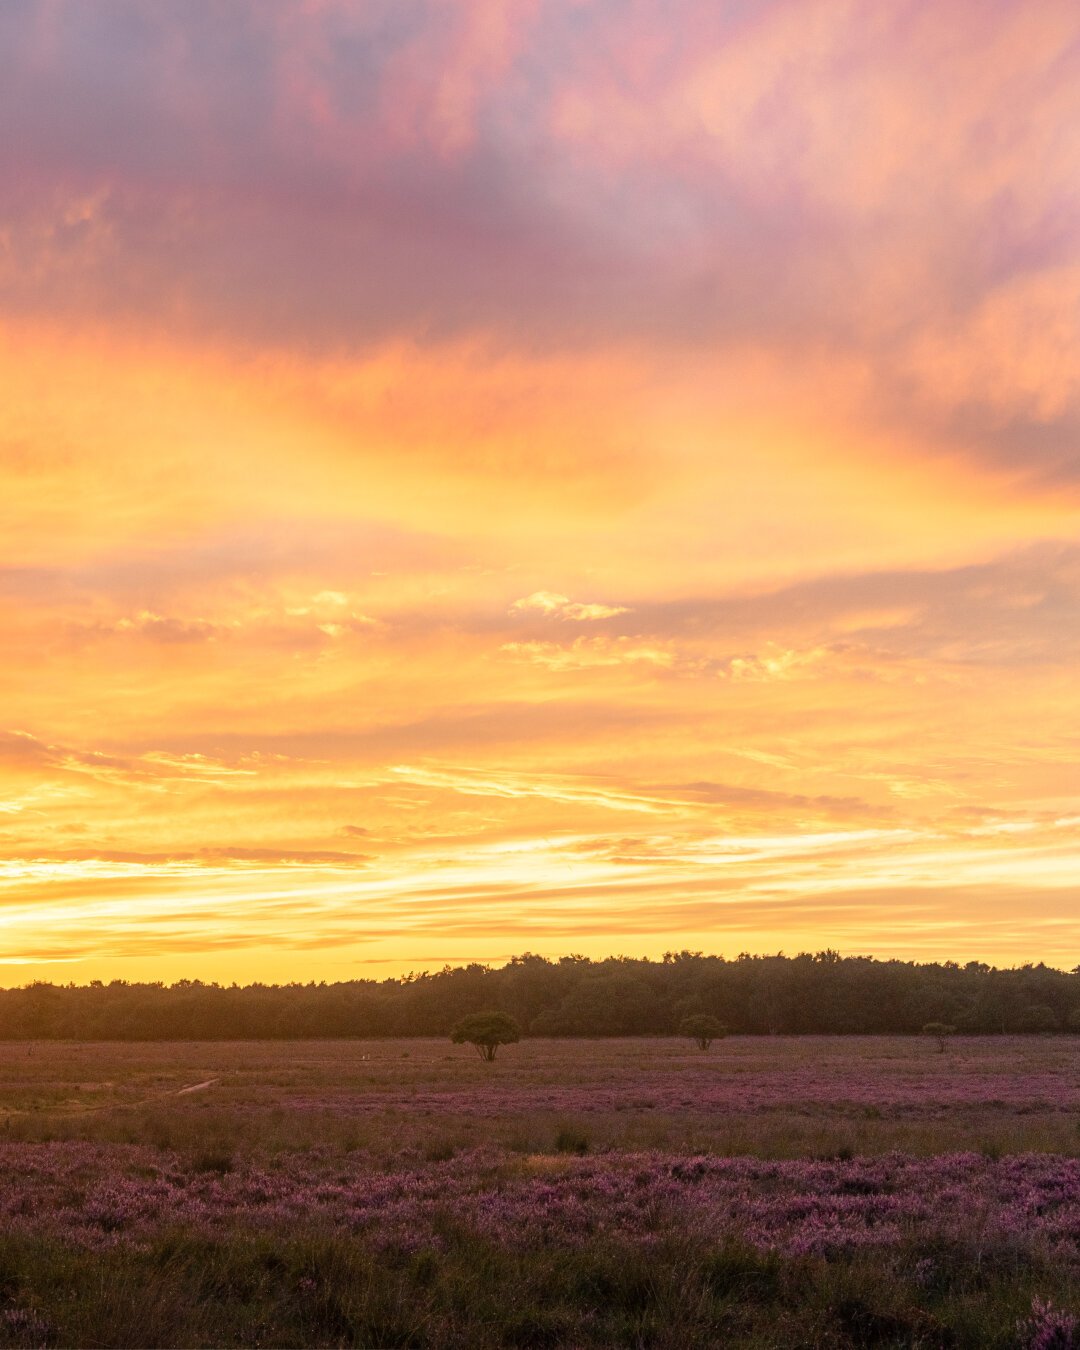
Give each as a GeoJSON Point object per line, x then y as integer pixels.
{"type": "Point", "coordinates": [610, 1003]}
{"type": "Point", "coordinates": [702, 1029]}
{"type": "Point", "coordinates": [1037, 1017]}
{"type": "Point", "coordinates": [487, 1031]}
{"type": "Point", "coordinates": [941, 1031]}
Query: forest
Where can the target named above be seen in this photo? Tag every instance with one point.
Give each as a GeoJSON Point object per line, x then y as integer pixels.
{"type": "Point", "coordinates": [822, 993]}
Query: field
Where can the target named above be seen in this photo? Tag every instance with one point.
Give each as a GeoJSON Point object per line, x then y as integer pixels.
{"type": "Point", "coordinates": [772, 1192]}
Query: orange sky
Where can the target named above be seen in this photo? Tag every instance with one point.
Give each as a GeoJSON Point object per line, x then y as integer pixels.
{"type": "Point", "coordinates": [556, 476]}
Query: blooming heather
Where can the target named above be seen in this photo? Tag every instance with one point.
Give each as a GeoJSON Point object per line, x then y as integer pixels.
{"type": "Point", "coordinates": [90, 1196]}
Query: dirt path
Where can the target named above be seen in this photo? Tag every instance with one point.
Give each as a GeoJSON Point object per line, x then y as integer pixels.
{"type": "Point", "coordinates": [196, 1087]}
{"type": "Point", "coordinates": [79, 1110]}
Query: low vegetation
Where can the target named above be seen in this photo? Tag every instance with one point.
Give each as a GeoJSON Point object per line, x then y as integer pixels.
{"type": "Point", "coordinates": [778, 1191]}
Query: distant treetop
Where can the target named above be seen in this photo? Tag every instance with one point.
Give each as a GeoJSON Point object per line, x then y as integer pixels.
{"type": "Point", "coordinates": [808, 994]}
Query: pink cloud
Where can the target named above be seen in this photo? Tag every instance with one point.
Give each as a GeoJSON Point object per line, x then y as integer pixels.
{"type": "Point", "coordinates": [792, 175]}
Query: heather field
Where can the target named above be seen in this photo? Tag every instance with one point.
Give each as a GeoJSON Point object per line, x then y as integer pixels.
{"type": "Point", "coordinates": [772, 1192]}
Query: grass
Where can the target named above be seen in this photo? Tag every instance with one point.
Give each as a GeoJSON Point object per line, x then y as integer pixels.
{"type": "Point", "coordinates": [775, 1097]}
{"type": "Point", "coordinates": [405, 1194]}
{"type": "Point", "coordinates": [310, 1289]}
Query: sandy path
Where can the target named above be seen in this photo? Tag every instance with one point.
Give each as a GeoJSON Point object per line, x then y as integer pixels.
{"type": "Point", "coordinates": [196, 1087]}
{"type": "Point", "coordinates": [77, 1109]}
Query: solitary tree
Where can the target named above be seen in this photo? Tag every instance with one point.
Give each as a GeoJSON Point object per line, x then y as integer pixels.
{"type": "Point", "coordinates": [487, 1031]}
{"type": "Point", "coordinates": [940, 1031]}
{"type": "Point", "coordinates": [702, 1029]}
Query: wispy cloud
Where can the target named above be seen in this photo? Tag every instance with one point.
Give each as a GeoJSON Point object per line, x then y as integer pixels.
{"type": "Point", "coordinates": [553, 605]}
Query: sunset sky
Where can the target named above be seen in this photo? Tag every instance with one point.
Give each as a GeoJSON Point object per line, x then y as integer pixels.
{"type": "Point", "coordinates": [486, 476]}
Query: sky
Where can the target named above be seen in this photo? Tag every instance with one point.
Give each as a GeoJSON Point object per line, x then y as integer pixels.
{"type": "Point", "coordinates": [569, 476]}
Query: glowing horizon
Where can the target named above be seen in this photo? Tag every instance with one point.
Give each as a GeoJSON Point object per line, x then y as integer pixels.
{"type": "Point", "coordinates": [551, 475]}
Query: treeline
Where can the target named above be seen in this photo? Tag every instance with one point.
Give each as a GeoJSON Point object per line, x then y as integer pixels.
{"type": "Point", "coordinates": [573, 996]}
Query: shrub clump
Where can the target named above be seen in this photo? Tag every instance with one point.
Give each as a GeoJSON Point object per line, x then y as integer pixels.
{"type": "Point", "coordinates": [702, 1029]}
{"type": "Point", "coordinates": [572, 1141]}
{"type": "Point", "coordinates": [486, 1031]}
{"type": "Point", "coordinates": [940, 1032]}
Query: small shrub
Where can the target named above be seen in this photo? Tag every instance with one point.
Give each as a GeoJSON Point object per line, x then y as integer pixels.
{"type": "Point", "coordinates": [219, 1160]}
{"type": "Point", "coordinates": [702, 1030]}
{"type": "Point", "coordinates": [572, 1141]}
{"type": "Point", "coordinates": [844, 1153]}
{"type": "Point", "coordinates": [440, 1150]}
{"type": "Point", "coordinates": [940, 1032]}
{"type": "Point", "coordinates": [735, 1270]}
{"type": "Point", "coordinates": [23, 1326]}
{"type": "Point", "coordinates": [1049, 1328]}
